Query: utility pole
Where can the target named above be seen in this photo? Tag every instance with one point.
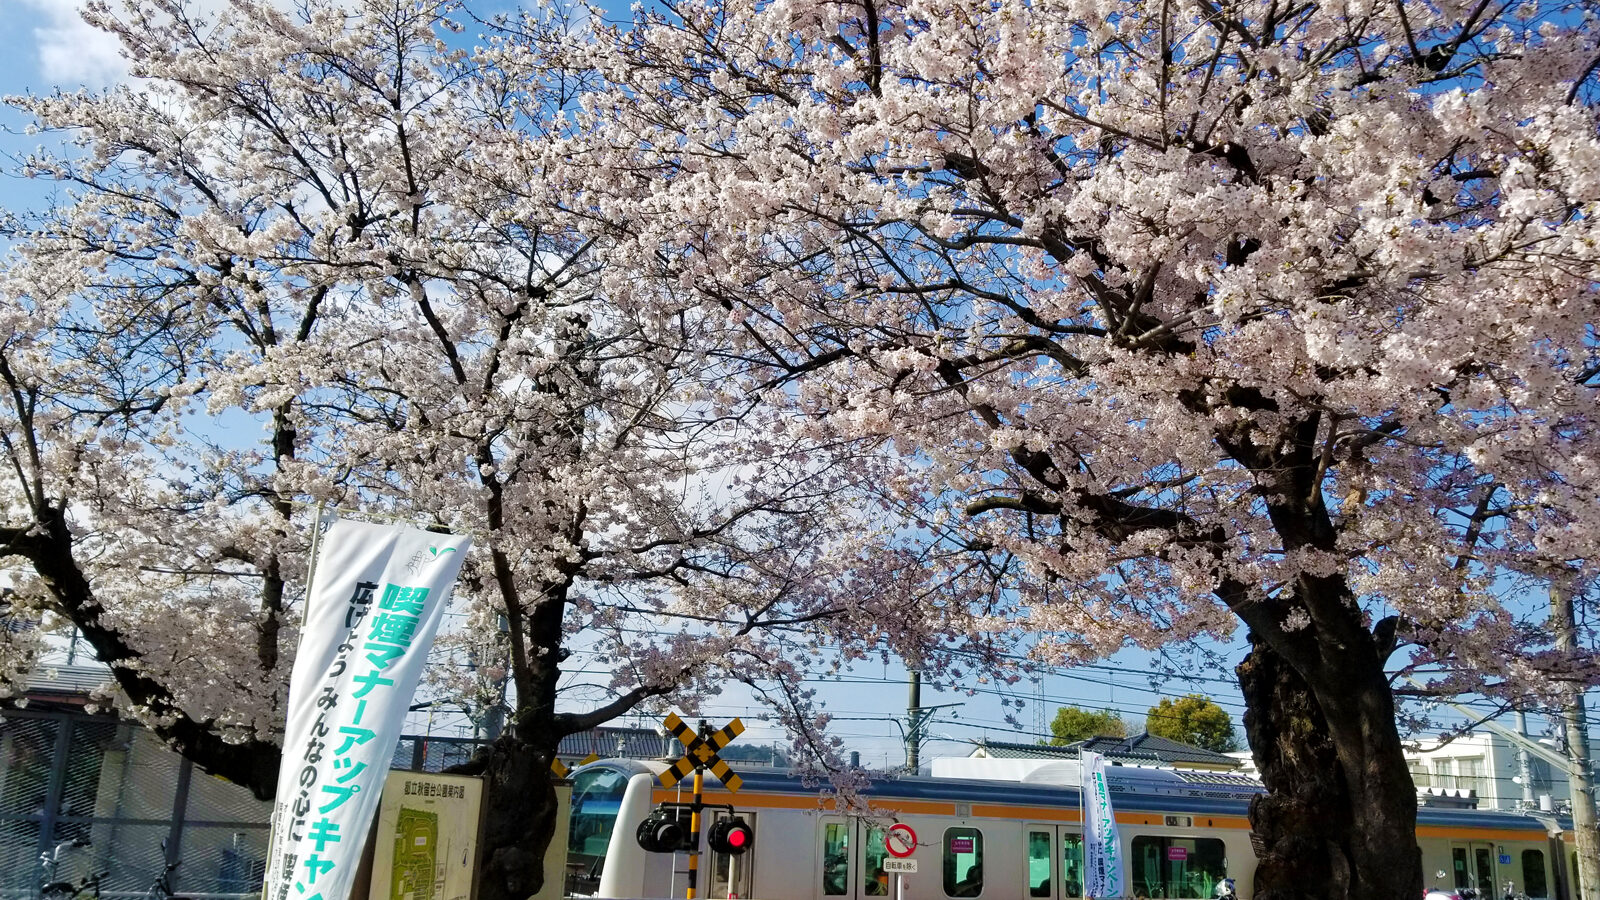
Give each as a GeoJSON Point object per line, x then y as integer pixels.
{"type": "Point", "coordinates": [914, 725]}
{"type": "Point", "coordinates": [1563, 621]}
{"type": "Point", "coordinates": [1524, 768]}
{"type": "Point", "coordinates": [917, 718]}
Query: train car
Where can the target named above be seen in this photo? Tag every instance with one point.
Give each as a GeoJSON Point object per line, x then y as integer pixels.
{"type": "Point", "coordinates": [1180, 834]}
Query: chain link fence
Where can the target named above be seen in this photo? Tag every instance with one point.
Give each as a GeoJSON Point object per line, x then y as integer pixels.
{"type": "Point", "coordinates": [83, 794]}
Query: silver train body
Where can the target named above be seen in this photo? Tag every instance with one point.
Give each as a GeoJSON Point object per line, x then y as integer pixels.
{"type": "Point", "coordinates": [1180, 833]}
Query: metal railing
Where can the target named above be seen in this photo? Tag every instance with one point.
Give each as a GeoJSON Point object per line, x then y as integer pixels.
{"type": "Point", "coordinates": [112, 786]}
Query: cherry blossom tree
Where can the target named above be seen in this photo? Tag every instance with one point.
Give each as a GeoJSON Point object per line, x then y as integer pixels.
{"type": "Point", "coordinates": [316, 256]}
{"type": "Point", "coordinates": [1193, 314]}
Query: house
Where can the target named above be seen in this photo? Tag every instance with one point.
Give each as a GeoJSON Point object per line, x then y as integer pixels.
{"type": "Point", "coordinates": [607, 742]}
{"type": "Point", "coordinates": [114, 798]}
{"type": "Point", "coordinates": [999, 760]}
{"type": "Point", "coordinates": [1480, 770]}
{"type": "Point", "coordinates": [1486, 765]}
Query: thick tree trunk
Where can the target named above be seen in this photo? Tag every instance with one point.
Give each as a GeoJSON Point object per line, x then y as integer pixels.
{"type": "Point", "coordinates": [519, 817]}
{"type": "Point", "coordinates": [1301, 826]}
{"type": "Point", "coordinates": [1339, 819]}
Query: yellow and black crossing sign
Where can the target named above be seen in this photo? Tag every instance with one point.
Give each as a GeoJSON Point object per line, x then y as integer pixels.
{"type": "Point", "coordinates": [702, 752]}
{"type": "Point", "coordinates": [561, 770]}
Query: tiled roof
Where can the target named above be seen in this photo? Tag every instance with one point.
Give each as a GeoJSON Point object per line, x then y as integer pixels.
{"type": "Point", "coordinates": [63, 679]}
{"type": "Point", "coordinates": [1227, 778]}
{"type": "Point", "coordinates": [634, 743]}
{"type": "Point", "coordinates": [1004, 750]}
{"type": "Point", "coordinates": [1153, 746]}
{"type": "Point", "coordinates": [1140, 749]}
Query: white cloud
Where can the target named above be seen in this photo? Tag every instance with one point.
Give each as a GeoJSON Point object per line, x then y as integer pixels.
{"type": "Point", "coordinates": [73, 53]}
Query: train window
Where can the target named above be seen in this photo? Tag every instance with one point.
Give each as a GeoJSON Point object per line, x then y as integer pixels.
{"type": "Point", "coordinates": [596, 800]}
{"type": "Point", "coordinates": [963, 862]}
{"type": "Point", "coordinates": [1178, 867]}
{"type": "Point", "coordinates": [875, 881]}
{"type": "Point", "coordinates": [835, 859]}
{"type": "Point", "coordinates": [1533, 883]}
{"type": "Point", "coordinates": [1072, 864]}
{"type": "Point", "coordinates": [1039, 863]}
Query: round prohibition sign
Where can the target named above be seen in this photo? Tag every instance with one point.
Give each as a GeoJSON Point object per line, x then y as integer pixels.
{"type": "Point", "coordinates": [901, 841]}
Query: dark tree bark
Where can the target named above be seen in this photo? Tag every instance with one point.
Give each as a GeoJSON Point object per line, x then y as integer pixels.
{"type": "Point", "coordinates": [519, 816]}
{"type": "Point", "coordinates": [1339, 817]}
{"type": "Point", "coordinates": [1301, 827]}
{"type": "Point", "coordinates": [48, 546]}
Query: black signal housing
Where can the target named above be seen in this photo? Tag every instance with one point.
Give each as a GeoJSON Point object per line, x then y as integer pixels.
{"type": "Point", "coordinates": [666, 830]}
{"type": "Point", "coordinates": [732, 836]}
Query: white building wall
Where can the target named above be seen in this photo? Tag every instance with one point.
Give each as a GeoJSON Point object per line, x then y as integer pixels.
{"type": "Point", "coordinates": [1452, 765]}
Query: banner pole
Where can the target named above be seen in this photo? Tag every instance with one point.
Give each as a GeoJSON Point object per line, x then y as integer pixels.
{"type": "Point", "coordinates": [311, 565]}
{"type": "Point", "coordinates": [305, 610]}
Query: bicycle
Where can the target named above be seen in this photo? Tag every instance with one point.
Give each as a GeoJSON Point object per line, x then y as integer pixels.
{"type": "Point", "coordinates": [87, 887]}
{"type": "Point", "coordinates": [53, 888]}
{"type": "Point", "coordinates": [161, 888]}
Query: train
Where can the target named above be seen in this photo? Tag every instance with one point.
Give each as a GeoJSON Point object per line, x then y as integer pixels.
{"type": "Point", "coordinates": [1180, 833]}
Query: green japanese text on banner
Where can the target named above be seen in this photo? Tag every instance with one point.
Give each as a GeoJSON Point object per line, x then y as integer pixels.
{"type": "Point", "coordinates": [1102, 854]}
{"type": "Point", "coordinates": [375, 605]}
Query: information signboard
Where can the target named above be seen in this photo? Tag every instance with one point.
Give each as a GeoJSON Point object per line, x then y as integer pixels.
{"type": "Point", "coordinates": [426, 838]}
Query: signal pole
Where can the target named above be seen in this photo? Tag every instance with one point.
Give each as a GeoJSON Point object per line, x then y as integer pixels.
{"type": "Point", "coordinates": [694, 815]}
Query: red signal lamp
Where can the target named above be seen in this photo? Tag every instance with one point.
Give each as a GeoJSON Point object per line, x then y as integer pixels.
{"type": "Point", "coordinates": [732, 836]}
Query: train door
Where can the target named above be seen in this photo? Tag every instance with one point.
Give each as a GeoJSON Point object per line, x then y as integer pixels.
{"type": "Point", "coordinates": [1473, 866]}
{"type": "Point", "coordinates": [852, 860]}
{"type": "Point", "coordinates": [1055, 862]}
{"type": "Point", "coordinates": [732, 876]}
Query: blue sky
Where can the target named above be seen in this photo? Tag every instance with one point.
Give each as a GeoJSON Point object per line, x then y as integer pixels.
{"type": "Point", "coordinates": [46, 45]}
{"type": "Point", "coordinates": [49, 47]}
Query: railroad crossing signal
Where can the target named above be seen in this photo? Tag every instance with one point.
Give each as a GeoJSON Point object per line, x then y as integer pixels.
{"type": "Point", "coordinates": [732, 836]}
{"type": "Point", "coordinates": [702, 752]}
{"type": "Point", "coordinates": [561, 770]}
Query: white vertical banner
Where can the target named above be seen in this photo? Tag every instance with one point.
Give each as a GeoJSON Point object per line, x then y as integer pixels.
{"type": "Point", "coordinates": [374, 608]}
{"type": "Point", "coordinates": [1102, 854]}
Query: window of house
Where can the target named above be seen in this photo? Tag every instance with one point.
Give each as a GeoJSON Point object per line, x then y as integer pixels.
{"type": "Point", "coordinates": [1469, 775]}
{"type": "Point", "coordinates": [1419, 774]}
{"type": "Point", "coordinates": [1443, 776]}
{"type": "Point", "coordinates": [963, 862]}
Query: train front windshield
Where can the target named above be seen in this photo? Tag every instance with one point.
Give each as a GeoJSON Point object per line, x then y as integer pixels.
{"type": "Point", "coordinates": [596, 800]}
